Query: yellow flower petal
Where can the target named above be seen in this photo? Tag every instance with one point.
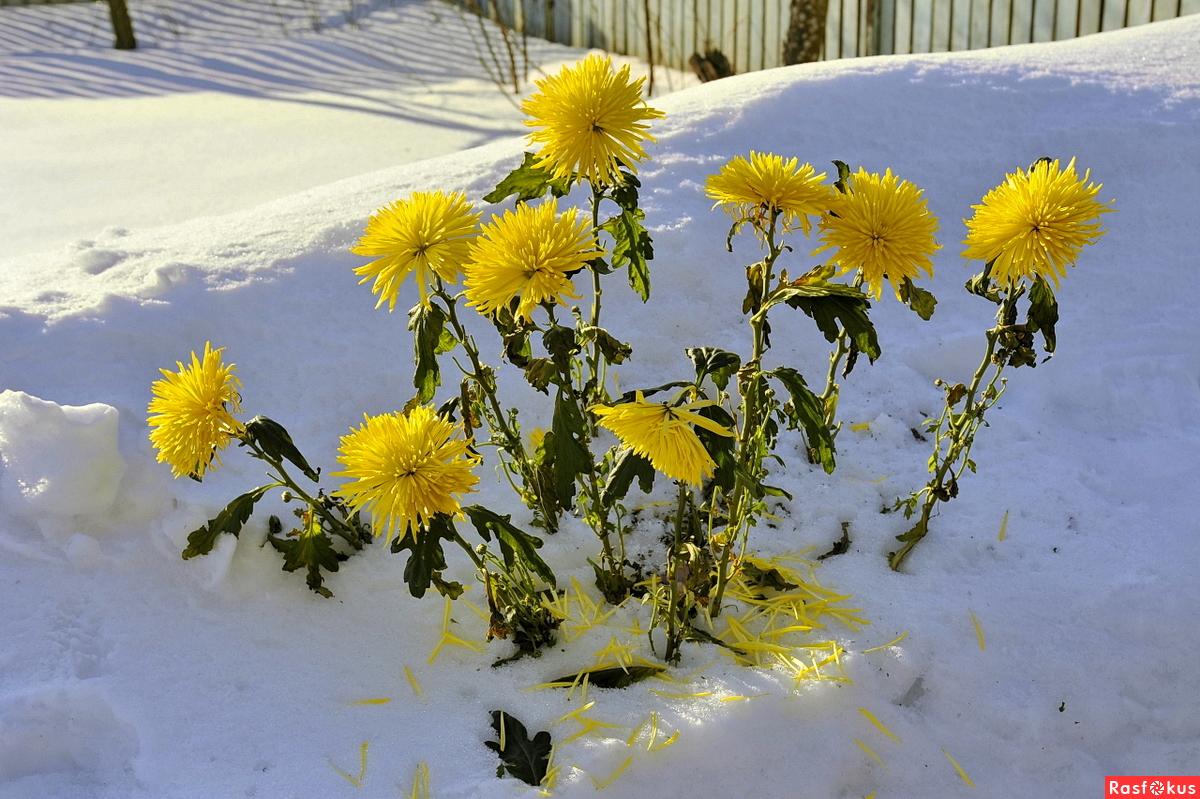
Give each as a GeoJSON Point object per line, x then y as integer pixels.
{"type": "Point", "coordinates": [429, 234]}
{"type": "Point", "coordinates": [663, 435]}
{"type": "Point", "coordinates": [406, 469]}
{"type": "Point", "coordinates": [191, 413]}
{"type": "Point", "coordinates": [752, 190]}
{"type": "Point", "coordinates": [1036, 223]}
{"type": "Point", "coordinates": [882, 227]}
{"type": "Point", "coordinates": [591, 121]}
{"type": "Point", "coordinates": [527, 255]}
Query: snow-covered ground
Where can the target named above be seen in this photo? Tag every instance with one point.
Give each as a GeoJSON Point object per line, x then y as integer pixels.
{"type": "Point", "coordinates": [127, 672]}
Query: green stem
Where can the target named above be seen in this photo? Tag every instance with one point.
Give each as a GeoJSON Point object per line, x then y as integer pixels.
{"type": "Point", "coordinates": [674, 634]}
{"type": "Point", "coordinates": [959, 433]}
{"type": "Point", "coordinates": [336, 525]}
{"type": "Point", "coordinates": [597, 365]}
{"type": "Point", "coordinates": [479, 564]}
{"type": "Point", "coordinates": [750, 456]}
{"type": "Point", "coordinates": [829, 395]}
{"type": "Point", "coordinates": [512, 443]}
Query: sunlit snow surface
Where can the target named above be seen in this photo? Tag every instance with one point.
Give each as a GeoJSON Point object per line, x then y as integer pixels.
{"type": "Point", "coordinates": [127, 672]}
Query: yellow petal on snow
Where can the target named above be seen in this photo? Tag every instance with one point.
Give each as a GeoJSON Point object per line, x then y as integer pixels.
{"type": "Point", "coordinates": [614, 775]}
{"type": "Point", "coordinates": [674, 737]}
{"type": "Point", "coordinates": [892, 642]}
{"type": "Point", "coordinates": [959, 769]}
{"type": "Point", "coordinates": [412, 680]}
{"type": "Point", "coordinates": [867, 749]}
{"type": "Point", "coordinates": [978, 630]}
{"type": "Point", "coordinates": [879, 724]}
{"type": "Point", "coordinates": [681, 696]}
{"type": "Point", "coordinates": [1003, 526]}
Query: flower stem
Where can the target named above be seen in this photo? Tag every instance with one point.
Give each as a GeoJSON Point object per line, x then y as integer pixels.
{"type": "Point", "coordinates": [510, 440]}
{"type": "Point", "coordinates": [336, 525]}
{"type": "Point", "coordinates": [751, 443]}
{"type": "Point", "coordinates": [597, 365]}
{"type": "Point", "coordinates": [675, 586]}
{"type": "Point", "coordinates": [957, 431]}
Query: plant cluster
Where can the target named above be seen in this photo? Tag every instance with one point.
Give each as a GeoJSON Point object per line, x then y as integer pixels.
{"type": "Point", "coordinates": [536, 275]}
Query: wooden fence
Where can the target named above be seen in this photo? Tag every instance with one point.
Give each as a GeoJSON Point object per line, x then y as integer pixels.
{"type": "Point", "coordinates": [118, 12]}
{"type": "Point", "coordinates": [750, 33]}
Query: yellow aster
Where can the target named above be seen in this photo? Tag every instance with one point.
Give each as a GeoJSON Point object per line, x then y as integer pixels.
{"type": "Point", "coordinates": [1036, 222]}
{"type": "Point", "coordinates": [405, 469]}
{"type": "Point", "coordinates": [663, 435]}
{"type": "Point", "coordinates": [591, 120]}
{"type": "Point", "coordinates": [528, 254]}
{"type": "Point", "coordinates": [881, 227]}
{"type": "Point", "coordinates": [755, 189]}
{"type": "Point", "coordinates": [428, 234]}
{"type": "Point", "coordinates": [191, 413]}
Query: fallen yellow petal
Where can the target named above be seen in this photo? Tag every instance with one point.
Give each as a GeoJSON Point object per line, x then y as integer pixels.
{"type": "Point", "coordinates": [879, 724]}
{"type": "Point", "coordinates": [958, 768]}
{"type": "Point", "coordinates": [892, 642]}
{"type": "Point", "coordinates": [615, 774]}
{"type": "Point", "coordinates": [1004, 526]}
{"type": "Point", "coordinates": [681, 696]}
{"type": "Point", "coordinates": [412, 680]}
{"type": "Point", "coordinates": [978, 630]}
{"type": "Point", "coordinates": [867, 749]}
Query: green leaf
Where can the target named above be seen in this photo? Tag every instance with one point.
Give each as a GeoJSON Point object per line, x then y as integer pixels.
{"type": "Point", "coordinates": [632, 247]}
{"type": "Point", "coordinates": [514, 542]}
{"type": "Point", "coordinates": [312, 550]}
{"type": "Point", "coordinates": [625, 193]}
{"type": "Point", "coordinates": [612, 677]}
{"type": "Point", "coordinates": [570, 455]}
{"type": "Point", "coordinates": [722, 449]}
{"type": "Point", "coordinates": [835, 313]}
{"type": "Point", "coordinates": [917, 298]}
{"type": "Point", "coordinates": [528, 182]}
{"type": "Point", "coordinates": [841, 546]}
{"type": "Point", "coordinates": [721, 365]}
{"type": "Point", "coordinates": [981, 285]}
{"type": "Point", "coordinates": [229, 520]}
{"type": "Point", "coordinates": [614, 351]}
{"type": "Point", "coordinates": [523, 758]}
{"type": "Point", "coordinates": [560, 342]}
{"type": "Point", "coordinates": [757, 577]}
{"type": "Point", "coordinates": [910, 539]}
{"type": "Point", "coordinates": [626, 466]}
{"type": "Point", "coordinates": [428, 324]}
{"type": "Point", "coordinates": [516, 348]}
{"type": "Point", "coordinates": [630, 396]}
{"type": "Point", "coordinates": [540, 372]}
{"type": "Point", "coordinates": [843, 170]}
{"type": "Point", "coordinates": [1043, 312]}
{"type": "Point", "coordinates": [806, 410]}
{"type": "Point", "coordinates": [427, 559]}
{"type": "Point", "coordinates": [276, 442]}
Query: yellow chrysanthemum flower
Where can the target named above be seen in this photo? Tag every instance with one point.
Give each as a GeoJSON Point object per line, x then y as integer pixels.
{"type": "Point", "coordinates": [592, 120]}
{"type": "Point", "coordinates": [663, 435]}
{"type": "Point", "coordinates": [881, 227]}
{"type": "Point", "coordinates": [406, 469]}
{"type": "Point", "coordinates": [752, 190]}
{"type": "Point", "coordinates": [428, 234]}
{"type": "Point", "coordinates": [191, 413]}
{"type": "Point", "coordinates": [1036, 222]}
{"type": "Point", "coordinates": [528, 254]}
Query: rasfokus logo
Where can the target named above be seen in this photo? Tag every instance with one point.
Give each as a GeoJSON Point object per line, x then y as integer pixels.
{"type": "Point", "coordinates": [1152, 786]}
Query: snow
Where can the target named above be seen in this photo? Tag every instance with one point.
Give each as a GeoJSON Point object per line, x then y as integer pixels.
{"type": "Point", "coordinates": [128, 672]}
